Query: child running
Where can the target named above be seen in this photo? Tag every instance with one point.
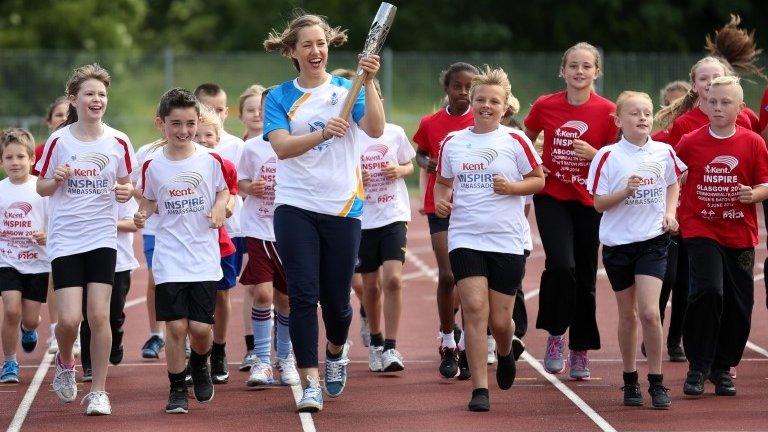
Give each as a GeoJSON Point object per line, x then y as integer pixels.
{"type": "Point", "coordinates": [264, 276]}
{"type": "Point", "coordinates": [727, 175]}
{"type": "Point", "coordinates": [576, 123]}
{"type": "Point", "coordinates": [385, 161]}
{"type": "Point", "coordinates": [85, 169]}
{"type": "Point", "coordinates": [456, 82]}
{"type": "Point", "coordinates": [185, 185]}
{"type": "Point", "coordinates": [484, 174]}
{"type": "Point", "coordinates": [24, 266]}
{"type": "Point", "coordinates": [634, 183]}
{"type": "Point", "coordinates": [230, 148]}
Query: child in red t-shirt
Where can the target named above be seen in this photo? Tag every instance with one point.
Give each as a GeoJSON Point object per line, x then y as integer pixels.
{"type": "Point", "coordinates": [727, 175]}
{"type": "Point", "coordinates": [576, 123]}
{"type": "Point", "coordinates": [456, 81]}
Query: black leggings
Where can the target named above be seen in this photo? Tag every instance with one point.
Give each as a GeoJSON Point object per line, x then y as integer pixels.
{"type": "Point", "coordinates": [720, 301]}
{"type": "Point", "coordinates": [569, 235]}
{"type": "Point", "coordinates": [116, 316]}
{"type": "Point", "coordinates": [319, 253]}
{"type": "Point", "coordinates": [676, 285]}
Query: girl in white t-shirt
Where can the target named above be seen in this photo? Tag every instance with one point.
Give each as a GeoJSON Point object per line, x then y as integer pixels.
{"type": "Point", "coordinates": [85, 169]}
{"type": "Point", "coordinates": [319, 193]}
{"type": "Point", "coordinates": [634, 183]}
{"type": "Point", "coordinates": [24, 266]}
{"type": "Point", "coordinates": [484, 174]}
{"type": "Point", "coordinates": [384, 161]}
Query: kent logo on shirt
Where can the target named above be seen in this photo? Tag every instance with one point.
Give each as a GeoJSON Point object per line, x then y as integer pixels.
{"type": "Point", "coordinates": [473, 174]}
{"type": "Point", "coordinates": [86, 176]}
{"type": "Point", "coordinates": [16, 215]}
{"type": "Point", "coordinates": [652, 190]}
{"type": "Point", "coordinates": [183, 197]}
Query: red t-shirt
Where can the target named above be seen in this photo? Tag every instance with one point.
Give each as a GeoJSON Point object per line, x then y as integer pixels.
{"type": "Point", "coordinates": [226, 247]}
{"type": "Point", "coordinates": [661, 136]}
{"type": "Point", "coordinates": [562, 123]}
{"type": "Point", "coordinates": [38, 155]}
{"type": "Point", "coordinates": [696, 118]}
{"type": "Point", "coordinates": [710, 204]}
{"type": "Point", "coordinates": [428, 137]}
{"type": "Point", "coordinates": [764, 111]}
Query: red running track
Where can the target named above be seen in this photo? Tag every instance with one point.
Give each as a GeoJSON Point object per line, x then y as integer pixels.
{"type": "Point", "coordinates": [416, 399]}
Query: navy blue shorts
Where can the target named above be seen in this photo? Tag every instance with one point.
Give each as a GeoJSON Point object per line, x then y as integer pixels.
{"type": "Point", "coordinates": [437, 224]}
{"type": "Point", "coordinates": [229, 268]}
{"type": "Point", "coordinates": [240, 251]}
{"type": "Point", "coordinates": [149, 248]}
{"type": "Point", "coordinates": [623, 262]}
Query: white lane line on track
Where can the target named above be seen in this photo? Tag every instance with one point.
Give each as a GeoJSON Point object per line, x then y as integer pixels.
{"type": "Point", "coordinates": [34, 386]}
{"type": "Point", "coordinates": [758, 349]}
{"type": "Point", "coordinates": [29, 396]}
{"type": "Point", "coordinates": [573, 397]}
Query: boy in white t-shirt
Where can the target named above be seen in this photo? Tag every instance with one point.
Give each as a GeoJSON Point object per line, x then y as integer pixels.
{"type": "Point", "coordinates": [185, 185]}
{"type": "Point", "coordinates": [634, 183]}
{"type": "Point", "coordinates": [24, 265]}
{"type": "Point", "coordinates": [384, 162]}
{"type": "Point", "coordinates": [125, 264]}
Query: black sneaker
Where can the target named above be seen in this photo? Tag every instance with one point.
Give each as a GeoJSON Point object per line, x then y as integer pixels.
{"type": "Point", "coordinates": [724, 385]}
{"type": "Point", "coordinates": [505, 371]}
{"type": "Point", "coordinates": [202, 384]}
{"type": "Point", "coordinates": [694, 383]}
{"type": "Point", "coordinates": [152, 347]}
{"type": "Point", "coordinates": [177, 401]}
{"type": "Point", "coordinates": [464, 373]}
{"type": "Point", "coordinates": [188, 375]}
{"type": "Point", "coordinates": [116, 354]}
{"type": "Point", "coordinates": [676, 353]}
{"type": "Point", "coordinates": [518, 347]}
{"type": "Point", "coordinates": [87, 374]}
{"type": "Point", "coordinates": [449, 362]}
{"type": "Point", "coordinates": [659, 396]}
{"type": "Point", "coordinates": [632, 395]}
{"type": "Point", "coordinates": [219, 369]}
{"type": "Point", "coordinates": [479, 401]}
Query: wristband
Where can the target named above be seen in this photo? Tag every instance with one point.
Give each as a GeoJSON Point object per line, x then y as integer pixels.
{"type": "Point", "coordinates": [322, 134]}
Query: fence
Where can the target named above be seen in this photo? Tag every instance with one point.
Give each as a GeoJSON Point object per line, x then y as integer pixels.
{"type": "Point", "coordinates": [30, 80]}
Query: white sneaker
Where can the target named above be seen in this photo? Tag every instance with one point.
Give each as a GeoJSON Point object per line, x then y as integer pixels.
{"type": "Point", "coordinates": [248, 361]}
{"type": "Point", "coordinates": [64, 383]}
{"type": "Point", "coordinates": [374, 358]}
{"type": "Point", "coordinates": [289, 375]}
{"type": "Point", "coordinates": [53, 345]}
{"type": "Point", "coordinates": [392, 361]}
{"type": "Point", "coordinates": [491, 350]}
{"type": "Point", "coordinates": [365, 331]}
{"type": "Point", "coordinates": [76, 348]}
{"type": "Point", "coordinates": [98, 403]}
{"type": "Point", "coordinates": [261, 374]}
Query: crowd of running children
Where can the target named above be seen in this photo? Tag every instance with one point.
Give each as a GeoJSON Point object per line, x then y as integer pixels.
{"type": "Point", "coordinates": [318, 202]}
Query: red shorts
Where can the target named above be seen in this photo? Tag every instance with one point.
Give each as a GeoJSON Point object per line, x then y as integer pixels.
{"type": "Point", "coordinates": [263, 264]}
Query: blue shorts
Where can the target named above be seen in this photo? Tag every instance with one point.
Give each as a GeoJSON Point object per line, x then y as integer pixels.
{"type": "Point", "coordinates": [149, 248]}
{"type": "Point", "coordinates": [229, 268]}
{"type": "Point", "coordinates": [240, 250]}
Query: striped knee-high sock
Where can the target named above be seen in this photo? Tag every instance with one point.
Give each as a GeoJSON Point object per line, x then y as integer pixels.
{"type": "Point", "coordinates": [261, 320]}
{"type": "Point", "coordinates": [283, 340]}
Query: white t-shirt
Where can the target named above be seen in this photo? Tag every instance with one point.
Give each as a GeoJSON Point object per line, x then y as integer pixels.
{"type": "Point", "coordinates": [482, 219]}
{"type": "Point", "coordinates": [23, 212]}
{"type": "Point", "coordinates": [326, 179]}
{"type": "Point", "coordinates": [231, 148]}
{"type": "Point", "coordinates": [145, 152]}
{"type": "Point", "coordinates": [386, 201]}
{"type": "Point", "coordinates": [258, 162]}
{"type": "Point", "coordinates": [125, 258]}
{"type": "Point", "coordinates": [83, 207]}
{"type": "Point", "coordinates": [186, 248]}
{"type": "Point", "coordinates": [640, 216]}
